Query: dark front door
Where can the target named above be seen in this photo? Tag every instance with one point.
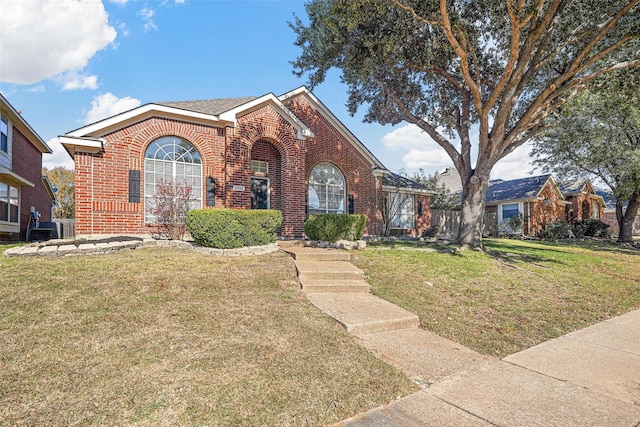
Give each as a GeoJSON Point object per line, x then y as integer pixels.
{"type": "Point", "coordinates": [259, 193]}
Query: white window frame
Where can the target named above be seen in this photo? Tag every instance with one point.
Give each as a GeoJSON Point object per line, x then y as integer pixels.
{"type": "Point", "coordinates": [259, 167]}
{"type": "Point", "coordinates": [501, 207]}
{"type": "Point", "coordinates": [10, 225]}
{"type": "Point", "coordinates": [5, 156]}
{"type": "Point", "coordinates": [156, 170]}
{"type": "Point", "coordinates": [322, 192]}
{"type": "Point", "coordinates": [402, 205]}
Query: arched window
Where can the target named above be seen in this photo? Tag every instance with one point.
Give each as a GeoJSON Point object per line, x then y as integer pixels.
{"type": "Point", "coordinates": [326, 189]}
{"type": "Point", "coordinates": [171, 159]}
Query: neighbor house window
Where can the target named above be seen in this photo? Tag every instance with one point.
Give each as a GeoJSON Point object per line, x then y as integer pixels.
{"type": "Point", "coordinates": [174, 160]}
{"type": "Point", "coordinates": [326, 190]}
{"type": "Point", "coordinates": [401, 207]}
{"type": "Point", "coordinates": [595, 212]}
{"type": "Point", "coordinates": [9, 203]}
{"type": "Point", "coordinates": [511, 210]}
{"type": "Point", "coordinates": [4, 134]}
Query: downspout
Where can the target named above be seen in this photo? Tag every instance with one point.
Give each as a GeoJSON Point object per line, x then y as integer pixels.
{"type": "Point", "coordinates": [529, 218]}
{"type": "Point", "coordinates": [92, 196]}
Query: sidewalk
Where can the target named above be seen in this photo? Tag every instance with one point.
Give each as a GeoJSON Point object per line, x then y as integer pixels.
{"type": "Point", "coordinates": [589, 377]}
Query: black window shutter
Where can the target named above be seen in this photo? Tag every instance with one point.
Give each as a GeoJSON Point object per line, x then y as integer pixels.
{"type": "Point", "coordinates": [134, 186]}
{"type": "Point", "coordinates": [211, 191]}
{"type": "Point", "coordinates": [419, 208]}
{"type": "Point", "coordinates": [352, 208]}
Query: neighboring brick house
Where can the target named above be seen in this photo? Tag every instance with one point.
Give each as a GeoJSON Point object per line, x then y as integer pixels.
{"type": "Point", "coordinates": [288, 153]}
{"type": "Point", "coordinates": [406, 207]}
{"type": "Point", "coordinates": [584, 202]}
{"type": "Point", "coordinates": [609, 213]}
{"type": "Point", "coordinates": [537, 200]}
{"type": "Point", "coordinates": [23, 189]}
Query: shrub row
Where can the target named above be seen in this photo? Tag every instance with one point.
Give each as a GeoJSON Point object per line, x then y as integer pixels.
{"type": "Point", "coordinates": [582, 228]}
{"type": "Point", "coordinates": [231, 228]}
{"type": "Point", "coordinates": [334, 227]}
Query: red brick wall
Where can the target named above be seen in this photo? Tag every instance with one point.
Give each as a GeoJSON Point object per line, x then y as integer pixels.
{"type": "Point", "coordinates": [328, 145]}
{"type": "Point", "coordinates": [27, 162]}
{"type": "Point", "coordinates": [102, 180]}
{"type": "Point", "coordinates": [102, 205]}
{"type": "Point", "coordinates": [543, 213]}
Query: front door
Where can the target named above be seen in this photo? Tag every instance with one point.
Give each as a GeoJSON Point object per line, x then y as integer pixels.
{"type": "Point", "coordinates": [259, 193]}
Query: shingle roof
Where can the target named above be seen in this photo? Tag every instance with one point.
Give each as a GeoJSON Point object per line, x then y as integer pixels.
{"type": "Point", "coordinates": [399, 181]}
{"type": "Point", "coordinates": [515, 189]}
{"type": "Point", "coordinates": [572, 187]}
{"type": "Point", "coordinates": [209, 106]}
{"type": "Point", "coordinates": [609, 200]}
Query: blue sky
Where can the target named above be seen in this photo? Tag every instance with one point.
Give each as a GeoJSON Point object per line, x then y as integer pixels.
{"type": "Point", "coordinates": [67, 63]}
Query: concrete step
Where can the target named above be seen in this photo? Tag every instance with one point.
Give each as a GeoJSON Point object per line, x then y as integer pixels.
{"type": "Point", "coordinates": [324, 286]}
{"type": "Point", "coordinates": [309, 271]}
{"type": "Point", "coordinates": [317, 254]}
{"type": "Point", "coordinates": [363, 314]}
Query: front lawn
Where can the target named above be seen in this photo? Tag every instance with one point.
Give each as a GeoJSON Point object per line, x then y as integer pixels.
{"type": "Point", "coordinates": [518, 295]}
{"type": "Point", "coordinates": [172, 337]}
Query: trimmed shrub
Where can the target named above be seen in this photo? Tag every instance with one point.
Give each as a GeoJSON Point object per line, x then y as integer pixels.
{"type": "Point", "coordinates": [334, 227]}
{"type": "Point", "coordinates": [591, 228]}
{"type": "Point", "coordinates": [557, 230]}
{"type": "Point", "coordinates": [431, 231]}
{"type": "Point", "coordinates": [230, 228]}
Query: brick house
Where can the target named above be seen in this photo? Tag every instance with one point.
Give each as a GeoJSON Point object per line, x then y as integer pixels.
{"type": "Point", "coordinates": [584, 202]}
{"type": "Point", "coordinates": [287, 152]}
{"type": "Point", "coordinates": [23, 189]}
{"type": "Point", "coordinates": [537, 200]}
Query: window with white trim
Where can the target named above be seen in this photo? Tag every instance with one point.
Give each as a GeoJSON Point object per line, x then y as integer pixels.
{"type": "Point", "coordinates": [171, 159]}
{"type": "Point", "coordinates": [259, 167]}
{"type": "Point", "coordinates": [326, 190]}
{"type": "Point", "coordinates": [9, 203]}
{"type": "Point", "coordinates": [401, 207]}
{"type": "Point", "coordinates": [4, 134]}
{"type": "Point", "coordinates": [510, 210]}
{"type": "Point", "coordinates": [595, 212]}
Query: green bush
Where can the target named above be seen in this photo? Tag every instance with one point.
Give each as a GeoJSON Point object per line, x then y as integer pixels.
{"type": "Point", "coordinates": [230, 228]}
{"type": "Point", "coordinates": [557, 230]}
{"type": "Point", "coordinates": [431, 231]}
{"type": "Point", "coordinates": [334, 227]}
{"type": "Point", "coordinates": [591, 228]}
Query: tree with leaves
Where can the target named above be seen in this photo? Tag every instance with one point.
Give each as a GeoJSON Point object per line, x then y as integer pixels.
{"type": "Point", "coordinates": [449, 67]}
{"type": "Point", "coordinates": [63, 180]}
{"type": "Point", "coordinates": [442, 198]}
{"type": "Point", "coordinates": [598, 135]}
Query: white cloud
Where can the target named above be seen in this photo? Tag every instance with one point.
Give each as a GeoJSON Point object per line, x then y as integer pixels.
{"type": "Point", "coordinates": [43, 38]}
{"type": "Point", "coordinates": [147, 14]}
{"type": "Point", "coordinates": [119, 1]}
{"type": "Point", "coordinates": [36, 89]}
{"type": "Point", "coordinates": [106, 105]}
{"type": "Point", "coordinates": [515, 165]}
{"type": "Point", "coordinates": [422, 152]}
{"type": "Point", "coordinates": [74, 80]}
{"type": "Point", "coordinates": [60, 157]}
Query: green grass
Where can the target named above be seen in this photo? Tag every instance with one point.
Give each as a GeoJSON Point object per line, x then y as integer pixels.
{"type": "Point", "coordinates": [172, 337]}
{"type": "Point", "coordinates": [517, 295]}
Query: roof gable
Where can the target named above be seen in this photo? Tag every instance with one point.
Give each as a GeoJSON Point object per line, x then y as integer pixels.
{"type": "Point", "coordinates": [15, 117]}
{"type": "Point", "coordinates": [338, 125]}
{"type": "Point", "coordinates": [217, 112]}
{"type": "Point", "coordinates": [518, 189]}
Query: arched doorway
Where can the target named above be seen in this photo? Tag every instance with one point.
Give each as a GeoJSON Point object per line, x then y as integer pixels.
{"type": "Point", "coordinates": [266, 176]}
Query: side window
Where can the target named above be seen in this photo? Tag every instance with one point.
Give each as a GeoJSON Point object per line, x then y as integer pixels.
{"type": "Point", "coordinates": [4, 134]}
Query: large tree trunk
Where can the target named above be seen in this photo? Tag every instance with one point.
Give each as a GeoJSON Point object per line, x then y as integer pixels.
{"type": "Point", "coordinates": [474, 194]}
{"type": "Point", "coordinates": [625, 220]}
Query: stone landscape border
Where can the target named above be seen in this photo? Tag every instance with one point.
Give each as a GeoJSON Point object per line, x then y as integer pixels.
{"type": "Point", "coordinates": [54, 248]}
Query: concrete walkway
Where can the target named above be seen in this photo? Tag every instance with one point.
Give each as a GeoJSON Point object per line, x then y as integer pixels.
{"type": "Point", "coordinates": [587, 378]}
